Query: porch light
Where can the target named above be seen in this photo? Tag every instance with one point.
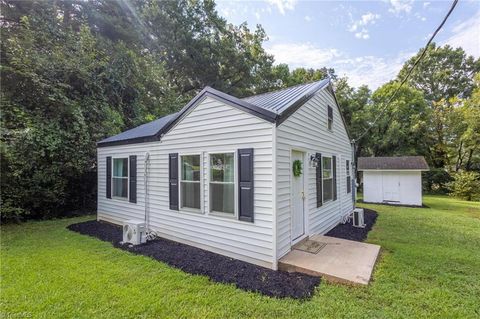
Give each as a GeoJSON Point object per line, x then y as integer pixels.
{"type": "Point", "coordinates": [314, 160]}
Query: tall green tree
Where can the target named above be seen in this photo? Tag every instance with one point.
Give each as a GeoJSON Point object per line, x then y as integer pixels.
{"type": "Point", "coordinates": [463, 131]}
{"type": "Point", "coordinates": [353, 105]}
{"type": "Point", "coordinates": [62, 90]}
{"type": "Point", "coordinates": [402, 129]}
{"type": "Point", "coordinates": [443, 74]}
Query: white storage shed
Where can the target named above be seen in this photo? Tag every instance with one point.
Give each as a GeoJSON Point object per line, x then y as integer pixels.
{"type": "Point", "coordinates": [393, 180]}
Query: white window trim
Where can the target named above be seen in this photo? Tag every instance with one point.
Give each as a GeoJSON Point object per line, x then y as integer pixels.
{"type": "Point", "coordinates": [128, 178]}
{"type": "Point", "coordinates": [235, 190]}
{"type": "Point", "coordinates": [189, 209]}
{"type": "Point", "coordinates": [323, 178]}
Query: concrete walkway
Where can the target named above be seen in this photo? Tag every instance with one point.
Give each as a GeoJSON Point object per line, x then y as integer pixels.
{"type": "Point", "coordinates": [339, 260]}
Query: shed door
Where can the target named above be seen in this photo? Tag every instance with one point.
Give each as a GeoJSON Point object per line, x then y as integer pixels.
{"type": "Point", "coordinates": [391, 187]}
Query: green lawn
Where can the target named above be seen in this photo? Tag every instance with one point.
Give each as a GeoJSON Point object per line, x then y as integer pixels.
{"type": "Point", "coordinates": [429, 267]}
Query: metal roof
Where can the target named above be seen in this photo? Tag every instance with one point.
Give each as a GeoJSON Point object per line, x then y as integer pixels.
{"type": "Point", "coordinates": [146, 130]}
{"type": "Point", "coordinates": [281, 100]}
{"type": "Point", "coordinates": [272, 106]}
{"type": "Point", "coordinates": [393, 163]}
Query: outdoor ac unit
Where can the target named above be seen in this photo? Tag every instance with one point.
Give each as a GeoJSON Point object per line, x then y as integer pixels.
{"type": "Point", "coordinates": [134, 232]}
{"type": "Point", "coordinates": [358, 220]}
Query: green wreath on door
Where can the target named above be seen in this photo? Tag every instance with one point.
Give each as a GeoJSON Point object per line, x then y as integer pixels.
{"type": "Point", "coordinates": [297, 168]}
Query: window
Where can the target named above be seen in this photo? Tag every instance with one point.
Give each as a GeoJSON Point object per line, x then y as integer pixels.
{"type": "Point", "coordinates": [222, 183]}
{"type": "Point", "coordinates": [330, 118]}
{"type": "Point", "coordinates": [190, 181]}
{"type": "Point", "coordinates": [327, 179]}
{"type": "Point", "coordinates": [120, 177]}
{"type": "Point", "coordinates": [349, 180]}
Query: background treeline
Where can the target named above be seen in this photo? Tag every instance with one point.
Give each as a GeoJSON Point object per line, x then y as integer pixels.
{"type": "Point", "coordinates": [74, 72]}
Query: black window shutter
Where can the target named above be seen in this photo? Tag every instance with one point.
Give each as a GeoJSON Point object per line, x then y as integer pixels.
{"type": "Point", "coordinates": [318, 179]}
{"type": "Point", "coordinates": [109, 177]}
{"type": "Point", "coordinates": [330, 112]}
{"type": "Point", "coordinates": [133, 179]}
{"type": "Point", "coordinates": [173, 180]}
{"type": "Point", "coordinates": [245, 184]}
{"type": "Point", "coordinates": [334, 166]}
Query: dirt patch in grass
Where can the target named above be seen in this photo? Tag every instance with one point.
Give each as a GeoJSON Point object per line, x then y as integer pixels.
{"type": "Point", "coordinates": [347, 231]}
{"type": "Point", "coordinates": [218, 268]}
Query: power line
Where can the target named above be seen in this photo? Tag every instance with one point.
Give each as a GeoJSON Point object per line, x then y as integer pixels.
{"type": "Point", "coordinates": [454, 4]}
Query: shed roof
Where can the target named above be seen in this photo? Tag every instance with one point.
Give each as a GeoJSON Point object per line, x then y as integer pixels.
{"type": "Point", "coordinates": [392, 163]}
{"type": "Point", "coordinates": [272, 106]}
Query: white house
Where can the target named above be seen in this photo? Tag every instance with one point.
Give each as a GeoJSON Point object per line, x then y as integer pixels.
{"type": "Point", "coordinates": [393, 180]}
{"type": "Point", "coordinates": [218, 174]}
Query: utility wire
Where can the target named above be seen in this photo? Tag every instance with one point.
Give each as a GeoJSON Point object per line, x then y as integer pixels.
{"type": "Point", "coordinates": [454, 4]}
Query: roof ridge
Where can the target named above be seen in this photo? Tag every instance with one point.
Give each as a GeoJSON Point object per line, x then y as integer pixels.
{"type": "Point", "coordinates": [286, 88]}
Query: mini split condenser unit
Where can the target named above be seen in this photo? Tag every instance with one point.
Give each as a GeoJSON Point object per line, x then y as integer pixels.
{"type": "Point", "coordinates": [134, 232]}
{"type": "Point", "coordinates": [358, 218]}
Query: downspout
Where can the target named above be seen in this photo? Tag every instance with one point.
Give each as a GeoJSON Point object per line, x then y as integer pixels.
{"type": "Point", "coordinates": [341, 193]}
{"type": "Point", "coordinates": [274, 196]}
{"type": "Point", "coordinates": [354, 171]}
{"type": "Point", "coordinates": [150, 234]}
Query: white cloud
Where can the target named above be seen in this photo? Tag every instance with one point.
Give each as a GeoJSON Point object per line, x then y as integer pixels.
{"type": "Point", "coordinates": [420, 17]}
{"type": "Point", "coordinates": [371, 70]}
{"type": "Point", "coordinates": [467, 35]}
{"type": "Point", "coordinates": [399, 6]}
{"type": "Point", "coordinates": [283, 5]}
{"type": "Point", "coordinates": [308, 18]}
{"type": "Point", "coordinates": [303, 54]}
{"type": "Point", "coordinates": [426, 4]}
{"type": "Point", "coordinates": [363, 34]}
{"type": "Point", "coordinates": [365, 20]}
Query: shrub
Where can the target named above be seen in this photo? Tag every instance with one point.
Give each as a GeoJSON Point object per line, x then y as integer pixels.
{"type": "Point", "coordinates": [435, 181]}
{"type": "Point", "coordinates": [465, 185]}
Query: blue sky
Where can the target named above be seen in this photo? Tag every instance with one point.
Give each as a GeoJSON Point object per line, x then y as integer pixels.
{"type": "Point", "coordinates": [367, 41]}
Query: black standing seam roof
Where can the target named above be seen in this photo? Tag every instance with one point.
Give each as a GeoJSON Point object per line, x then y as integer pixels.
{"type": "Point", "coordinates": [274, 107]}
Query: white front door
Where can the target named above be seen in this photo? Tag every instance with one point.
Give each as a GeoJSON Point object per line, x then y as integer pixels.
{"type": "Point", "coordinates": [391, 187]}
{"type": "Point", "coordinates": [298, 198]}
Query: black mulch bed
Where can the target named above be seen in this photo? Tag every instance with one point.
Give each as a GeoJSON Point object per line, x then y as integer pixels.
{"type": "Point", "coordinates": [347, 231]}
{"type": "Point", "coordinates": [218, 268]}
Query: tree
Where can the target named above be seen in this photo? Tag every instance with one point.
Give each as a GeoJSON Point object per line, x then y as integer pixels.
{"type": "Point", "coordinates": [466, 185]}
{"type": "Point", "coordinates": [463, 131]}
{"type": "Point", "coordinates": [200, 48]}
{"type": "Point", "coordinates": [353, 104]}
{"type": "Point", "coordinates": [62, 90]}
{"type": "Point", "coordinates": [443, 75]}
{"type": "Point", "coordinates": [402, 127]}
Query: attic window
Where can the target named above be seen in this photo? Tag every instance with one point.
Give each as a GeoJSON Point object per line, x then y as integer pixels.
{"type": "Point", "coordinates": [330, 118]}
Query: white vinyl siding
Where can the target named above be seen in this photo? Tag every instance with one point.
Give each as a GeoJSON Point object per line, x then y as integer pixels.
{"type": "Point", "coordinates": [211, 127]}
{"type": "Point", "coordinates": [307, 130]}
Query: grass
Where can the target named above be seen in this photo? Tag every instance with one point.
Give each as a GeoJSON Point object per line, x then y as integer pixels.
{"type": "Point", "coordinates": [430, 267]}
